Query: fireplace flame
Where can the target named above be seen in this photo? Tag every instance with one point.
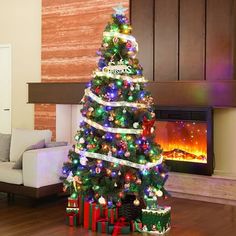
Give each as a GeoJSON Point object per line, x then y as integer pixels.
{"type": "Point", "coordinates": [182, 141]}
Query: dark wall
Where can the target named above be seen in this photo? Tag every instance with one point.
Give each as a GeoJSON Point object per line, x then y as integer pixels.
{"type": "Point", "coordinates": [183, 40]}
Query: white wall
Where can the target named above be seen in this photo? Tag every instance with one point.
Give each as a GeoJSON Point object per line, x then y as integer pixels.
{"type": "Point", "coordinates": [225, 141]}
{"type": "Point", "coordinates": [68, 118]}
{"type": "Point", "coordinates": [20, 26]}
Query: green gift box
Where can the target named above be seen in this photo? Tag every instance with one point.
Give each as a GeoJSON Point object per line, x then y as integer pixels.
{"type": "Point", "coordinates": [156, 219]}
{"type": "Point", "coordinates": [102, 226]}
{"type": "Point", "coordinates": [72, 219]}
{"type": "Point", "coordinates": [122, 229]}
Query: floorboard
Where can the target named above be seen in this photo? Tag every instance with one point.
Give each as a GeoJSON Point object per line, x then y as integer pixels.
{"type": "Point", "coordinates": [189, 218]}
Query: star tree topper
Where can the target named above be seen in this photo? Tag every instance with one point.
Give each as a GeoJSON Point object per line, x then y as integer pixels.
{"type": "Point", "coordinates": [120, 10]}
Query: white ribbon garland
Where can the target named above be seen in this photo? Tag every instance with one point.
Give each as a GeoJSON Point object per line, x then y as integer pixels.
{"type": "Point", "coordinates": [159, 210]}
{"type": "Point", "coordinates": [112, 130]}
{"type": "Point", "coordinates": [123, 77]}
{"type": "Point", "coordinates": [122, 36]}
{"type": "Point", "coordinates": [99, 100]}
{"type": "Point", "coordinates": [120, 161]}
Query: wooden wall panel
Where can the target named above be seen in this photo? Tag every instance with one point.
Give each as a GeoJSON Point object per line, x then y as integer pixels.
{"type": "Point", "coordinates": [192, 40]}
{"type": "Point", "coordinates": [219, 54]}
{"type": "Point", "coordinates": [166, 40]}
{"type": "Point", "coordinates": [71, 34]}
{"type": "Point", "coordinates": [142, 24]}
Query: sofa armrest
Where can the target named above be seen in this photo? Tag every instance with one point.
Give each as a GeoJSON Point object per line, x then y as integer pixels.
{"type": "Point", "coordinates": [42, 167]}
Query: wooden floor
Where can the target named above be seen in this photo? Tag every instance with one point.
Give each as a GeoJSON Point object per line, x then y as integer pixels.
{"type": "Point", "coordinates": [189, 218]}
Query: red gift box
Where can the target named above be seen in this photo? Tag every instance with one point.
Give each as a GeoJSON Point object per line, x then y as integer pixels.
{"type": "Point", "coordinates": [102, 226]}
{"type": "Point", "coordinates": [92, 213]}
{"type": "Point", "coordinates": [72, 219]}
{"type": "Point", "coordinates": [111, 214]}
{"type": "Point", "coordinates": [81, 209]}
{"type": "Point", "coordinates": [73, 202]}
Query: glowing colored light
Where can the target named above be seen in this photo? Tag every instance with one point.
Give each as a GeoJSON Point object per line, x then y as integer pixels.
{"type": "Point", "coordinates": [99, 111]}
{"type": "Point", "coordinates": [108, 108]}
{"type": "Point", "coordinates": [131, 146]}
{"type": "Point", "coordinates": [125, 27]}
{"type": "Point", "coordinates": [107, 39]}
{"type": "Point", "coordinates": [127, 177]}
{"type": "Point", "coordinates": [113, 174]}
{"type": "Point", "coordinates": [75, 161]}
{"type": "Point", "coordinates": [145, 172]}
{"type": "Point", "coordinates": [130, 98]}
{"type": "Point", "coordinates": [114, 28]}
{"type": "Point", "coordinates": [119, 82]}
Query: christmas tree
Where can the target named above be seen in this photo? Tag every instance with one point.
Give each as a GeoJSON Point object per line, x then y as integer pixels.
{"type": "Point", "coordinates": [115, 153]}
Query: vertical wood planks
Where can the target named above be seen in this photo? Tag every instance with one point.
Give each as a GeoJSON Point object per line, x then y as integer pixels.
{"type": "Point", "coordinates": [142, 24]}
{"type": "Point", "coordinates": [192, 40]}
{"type": "Point", "coordinates": [166, 40]}
{"type": "Point", "coordinates": [219, 54]}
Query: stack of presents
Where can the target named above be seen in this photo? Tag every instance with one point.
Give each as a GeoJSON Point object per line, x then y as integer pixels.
{"type": "Point", "coordinates": [103, 219]}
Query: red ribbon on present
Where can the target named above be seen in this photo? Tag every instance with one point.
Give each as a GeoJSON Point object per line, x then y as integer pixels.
{"type": "Point", "coordinates": [147, 125]}
{"type": "Point", "coordinates": [111, 214]}
{"type": "Point", "coordinates": [86, 215]}
{"type": "Point", "coordinates": [103, 221]}
{"type": "Point", "coordinates": [118, 226]}
{"type": "Point", "coordinates": [71, 217]}
{"type": "Point", "coordinates": [96, 213]}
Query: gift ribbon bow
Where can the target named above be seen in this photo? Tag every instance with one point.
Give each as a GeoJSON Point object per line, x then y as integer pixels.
{"type": "Point", "coordinates": [118, 226]}
{"type": "Point", "coordinates": [147, 125]}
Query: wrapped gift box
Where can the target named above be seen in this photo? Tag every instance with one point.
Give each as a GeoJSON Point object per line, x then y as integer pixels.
{"type": "Point", "coordinates": [111, 214]}
{"type": "Point", "coordinates": [73, 202]}
{"type": "Point", "coordinates": [121, 229]}
{"type": "Point", "coordinates": [136, 225]}
{"type": "Point", "coordinates": [72, 209]}
{"type": "Point", "coordinates": [92, 213]}
{"type": "Point", "coordinates": [72, 219]}
{"type": "Point", "coordinates": [102, 226]}
{"type": "Point", "coordinates": [156, 220]}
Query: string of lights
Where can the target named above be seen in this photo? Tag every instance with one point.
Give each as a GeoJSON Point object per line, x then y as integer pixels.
{"type": "Point", "coordinates": [110, 158]}
{"type": "Point", "coordinates": [99, 100]}
{"type": "Point", "coordinates": [125, 37]}
{"type": "Point", "coordinates": [112, 130]}
{"type": "Point", "coordinates": [122, 77]}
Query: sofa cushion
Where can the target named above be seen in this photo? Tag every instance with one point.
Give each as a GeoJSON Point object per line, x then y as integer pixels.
{"type": "Point", "coordinates": [9, 175]}
{"type": "Point", "coordinates": [38, 145]}
{"type": "Point", "coordinates": [5, 141]}
{"type": "Point", "coordinates": [55, 144]}
{"type": "Point", "coordinates": [21, 139]}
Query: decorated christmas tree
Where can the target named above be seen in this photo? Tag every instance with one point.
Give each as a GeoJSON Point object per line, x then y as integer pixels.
{"type": "Point", "coordinates": [115, 154]}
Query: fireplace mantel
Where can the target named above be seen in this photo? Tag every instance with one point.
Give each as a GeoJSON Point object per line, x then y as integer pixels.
{"type": "Point", "coordinates": [220, 93]}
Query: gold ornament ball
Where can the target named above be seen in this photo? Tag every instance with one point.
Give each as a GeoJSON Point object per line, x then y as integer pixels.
{"type": "Point", "coordinates": [136, 202]}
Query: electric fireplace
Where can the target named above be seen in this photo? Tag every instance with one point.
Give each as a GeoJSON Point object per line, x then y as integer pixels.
{"type": "Point", "coordinates": [185, 135]}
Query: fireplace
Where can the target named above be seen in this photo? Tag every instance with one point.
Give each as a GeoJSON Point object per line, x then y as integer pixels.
{"type": "Point", "coordinates": [185, 135]}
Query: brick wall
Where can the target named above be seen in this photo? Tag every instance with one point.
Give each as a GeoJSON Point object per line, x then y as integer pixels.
{"type": "Point", "coordinates": [71, 34]}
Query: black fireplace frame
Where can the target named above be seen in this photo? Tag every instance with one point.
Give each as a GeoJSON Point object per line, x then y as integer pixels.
{"type": "Point", "coordinates": [166, 113]}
